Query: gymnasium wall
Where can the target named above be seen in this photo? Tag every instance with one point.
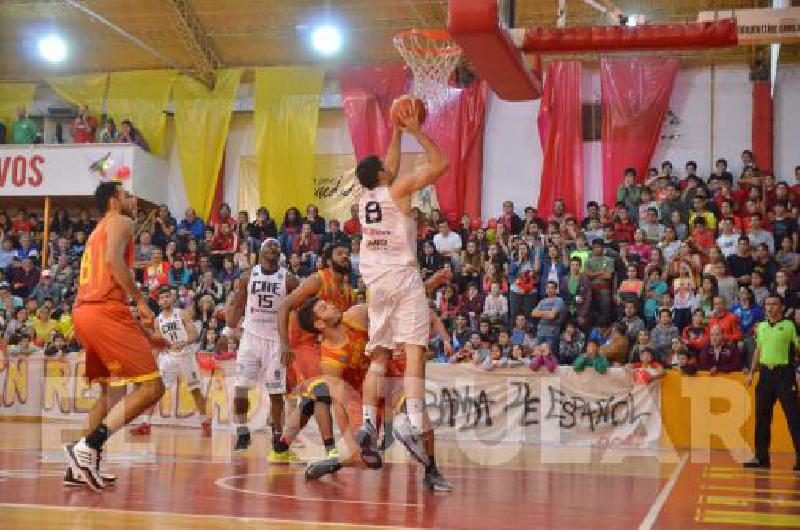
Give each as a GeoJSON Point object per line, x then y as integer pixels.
{"type": "Point", "coordinates": [712, 109]}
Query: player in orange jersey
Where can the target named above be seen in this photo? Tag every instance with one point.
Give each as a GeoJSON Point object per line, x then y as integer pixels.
{"type": "Point", "coordinates": [118, 351]}
{"type": "Point", "coordinates": [344, 364]}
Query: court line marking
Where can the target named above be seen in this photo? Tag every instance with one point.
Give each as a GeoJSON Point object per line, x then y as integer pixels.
{"type": "Point", "coordinates": [650, 519]}
{"type": "Point", "coordinates": [222, 482]}
{"type": "Point", "coordinates": [295, 522]}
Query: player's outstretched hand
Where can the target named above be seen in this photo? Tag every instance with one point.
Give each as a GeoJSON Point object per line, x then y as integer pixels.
{"type": "Point", "coordinates": [146, 314]}
{"type": "Point", "coordinates": [410, 120]}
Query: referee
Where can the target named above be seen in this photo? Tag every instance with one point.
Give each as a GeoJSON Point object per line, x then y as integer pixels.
{"type": "Point", "coordinates": [774, 339]}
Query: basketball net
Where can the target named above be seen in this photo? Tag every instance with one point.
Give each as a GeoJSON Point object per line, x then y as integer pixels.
{"type": "Point", "coordinates": [432, 56]}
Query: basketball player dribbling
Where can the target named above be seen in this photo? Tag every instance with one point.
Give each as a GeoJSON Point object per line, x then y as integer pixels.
{"type": "Point", "coordinates": [118, 351]}
{"type": "Point", "coordinates": [258, 295]}
{"type": "Point", "coordinates": [398, 307]}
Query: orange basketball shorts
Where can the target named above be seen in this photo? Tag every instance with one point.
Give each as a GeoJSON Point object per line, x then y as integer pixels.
{"type": "Point", "coordinates": [117, 350]}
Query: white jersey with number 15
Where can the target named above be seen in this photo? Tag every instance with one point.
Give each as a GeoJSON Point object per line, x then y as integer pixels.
{"type": "Point", "coordinates": [265, 292]}
{"type": "Point", "coordinates": [389, 235]}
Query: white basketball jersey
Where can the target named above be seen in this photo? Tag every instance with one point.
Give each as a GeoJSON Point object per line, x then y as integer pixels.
{"type": "Point", "coordinates": [172, 328]}
{"type": "Point", "coordinates": [390, 236]}
{"type": "Point", "coordinates": [265, 292]}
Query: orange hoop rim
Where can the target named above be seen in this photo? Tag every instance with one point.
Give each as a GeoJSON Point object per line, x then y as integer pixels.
{"type": "Point", "coordinates": [446, 44]}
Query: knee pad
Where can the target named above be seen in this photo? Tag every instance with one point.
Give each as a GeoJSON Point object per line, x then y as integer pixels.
{"type": "Point", "coordinates": [306, 407]}
{"type": "Point", "coordinates": [322, 394]}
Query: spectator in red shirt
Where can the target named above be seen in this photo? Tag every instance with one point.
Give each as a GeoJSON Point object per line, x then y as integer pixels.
{"type": "Point", "coordinates": [156, 274]}
{"type": "Point", "coordinates": [352, 226]}
{"type": "Point", "coordinates": [695, 335]}
{"type": "Point", "coordinates": [225, 241]}
{"type": "Point", "coordinates": [24, 278]}
{"type": "Point", "coordinates": [510, 219]}
{"type": "Point", "coordinates": [727, 321]}
{"type": "Point", "coordinates": [83, 127]}
{"type": "Point", "coordinates": [702, 236]}
{"type": "Point", "coordinates": [306, 242]}
{"type": "Point", "coordinates": [223, 217]}
{"type": "Point", "coordinates": [624, 228]}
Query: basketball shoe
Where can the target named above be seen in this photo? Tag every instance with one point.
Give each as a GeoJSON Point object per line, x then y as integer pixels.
{"type": "Point", "coordinates": [86, 461]}
{"type": "Point", "coordinates": [367, 440]}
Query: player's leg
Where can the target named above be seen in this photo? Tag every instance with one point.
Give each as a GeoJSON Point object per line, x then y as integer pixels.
{"type": "Point", "coordinates": [191, 374]}
{"type": "Point", "coordinates": [433, 478]}
{"type": "Point", "coordinates": [109, 396]}
{"type": "Point", "coordinates": [116, 340]}
{"type": "Point", "coordinates": [248, 370]}
{"type": "Point", "coordinates": [367, 435]}
{"type": "Point", "coordinates": [275, 385]}
{"type": "Point", "coordinates": [411, 328]}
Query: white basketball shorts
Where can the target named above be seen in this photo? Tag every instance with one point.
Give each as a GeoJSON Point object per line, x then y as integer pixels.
{"type": "Point", "coordinates": [398, 310]}
{"type": "Point", "coordinates": [259, 359]}
{"type": "Point", "coordinates": [179, 364]}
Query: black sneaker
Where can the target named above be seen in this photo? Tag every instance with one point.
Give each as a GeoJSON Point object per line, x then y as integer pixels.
{"type": "Point", "coordinates": [434, 481]}
{"type": "Point", "coordinates": [367, 439]}
{"type": "Point", "coordinates": [757, 463]}
{"type": "Point", "coordinates": [242, 441]}
{"type": "Point", "coordinates": [316, 470]}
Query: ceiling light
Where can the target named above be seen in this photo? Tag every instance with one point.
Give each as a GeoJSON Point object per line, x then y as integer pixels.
{"type": "Point", "coordinates": [52, 48]}
{"type": "Point", "coordinates": [326, 39]}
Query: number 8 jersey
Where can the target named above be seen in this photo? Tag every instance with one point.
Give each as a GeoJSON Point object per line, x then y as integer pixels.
{"type": "Point", "coordinates": [390, 236]}
{"type": "Point", "coordinates": [265, 292]}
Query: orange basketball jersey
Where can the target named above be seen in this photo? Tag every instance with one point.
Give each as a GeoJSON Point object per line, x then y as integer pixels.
{"type": "Point", "coordinates": [351, 357]}
{"type": "Point", "coordinates": [96, 284]}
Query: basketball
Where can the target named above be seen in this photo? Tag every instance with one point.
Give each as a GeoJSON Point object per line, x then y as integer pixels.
{"type": "Point", "coordinates": [401, 104]}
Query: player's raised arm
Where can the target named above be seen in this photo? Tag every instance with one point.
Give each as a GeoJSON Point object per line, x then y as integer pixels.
{"type": "Point", "coordinates": [307, 289]}
{"type": "Point", "coordinates": [435, 166]}
{"type": "Point", "coordinates": [118, 236]}
{"type": "Point", "coordinates": [192, 334]}
{"type": "Point", "coordinates": [392, 159]}
{"type": "Point", "coordinates": [235, 309]}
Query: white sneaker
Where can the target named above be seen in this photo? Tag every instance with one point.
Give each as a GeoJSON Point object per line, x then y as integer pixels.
{"type": "Point", "coordinates": [84, 460]}
{"type": "Point", "coordinates": [411, 437]}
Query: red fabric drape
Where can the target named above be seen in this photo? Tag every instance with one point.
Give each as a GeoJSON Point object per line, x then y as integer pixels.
{"type": "Point", "coordinates": [457, 127]}
{"type": "Point", "coordinates": [560, 131]}
{"type": "Point", "coordinates": [635, 95]}
{"type": "Point", "coordinates": [219, 193]}
{"type": "Point", "coordinates": [763, 139]}
{"type": "Point", "coordinates": [367, 95]}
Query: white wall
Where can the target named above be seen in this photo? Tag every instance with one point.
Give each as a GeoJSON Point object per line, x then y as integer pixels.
{"type": "Point", "coordinates": [787, 122]}
{"type": "Point", "coordinates": [512, 155]}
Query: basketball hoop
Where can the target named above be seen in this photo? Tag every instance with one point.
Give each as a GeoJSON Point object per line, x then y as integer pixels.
{"type": "Point", "coordinates": [432, 56]}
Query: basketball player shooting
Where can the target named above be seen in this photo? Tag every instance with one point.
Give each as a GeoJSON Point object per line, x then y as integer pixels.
{"type": "Point", "coordinates": [397, 305]}
{"type": "Point", "coordinates": [118, 351]}
{"type": "Point", "coordinates": [257, 297]}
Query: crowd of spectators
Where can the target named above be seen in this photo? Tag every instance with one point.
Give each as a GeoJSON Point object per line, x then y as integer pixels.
{"type": "Point", "coordinates": [674, 274]}
{"type": "Point", "coordinates": [83, 129]}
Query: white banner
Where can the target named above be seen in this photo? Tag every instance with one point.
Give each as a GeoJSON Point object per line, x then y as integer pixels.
{"type": "Point", "coordinates": [761, 26]}
{"type": "Point", "coordinates": [58, 170]}
{"type": "Point", "coordinates": [463, 402]}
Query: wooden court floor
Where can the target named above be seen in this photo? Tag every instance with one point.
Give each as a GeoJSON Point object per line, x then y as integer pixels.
{"type": "Point", "coordinates": [174, 479]}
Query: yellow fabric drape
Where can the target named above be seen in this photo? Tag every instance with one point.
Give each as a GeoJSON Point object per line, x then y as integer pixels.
{"type": "Point", "coordinates": [13, 95]}
{"type": "Point", "coordinates": [87, 89]}
{"type": "Point", "coordinates": [249, 197]}
{"type": "Point", "coordinates": [202, 118]}
{"type": "Point", "coordinates": [142, 97]}
{"type": "Point", "coordinates": [287, 103]}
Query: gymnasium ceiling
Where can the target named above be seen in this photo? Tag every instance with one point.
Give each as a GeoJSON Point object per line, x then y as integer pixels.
{"type": "Point", "coordinates": [268, 32]}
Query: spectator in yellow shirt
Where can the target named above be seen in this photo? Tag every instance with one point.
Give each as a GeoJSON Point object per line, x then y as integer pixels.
{"type": "Point", "coordinates": [43, 326]}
